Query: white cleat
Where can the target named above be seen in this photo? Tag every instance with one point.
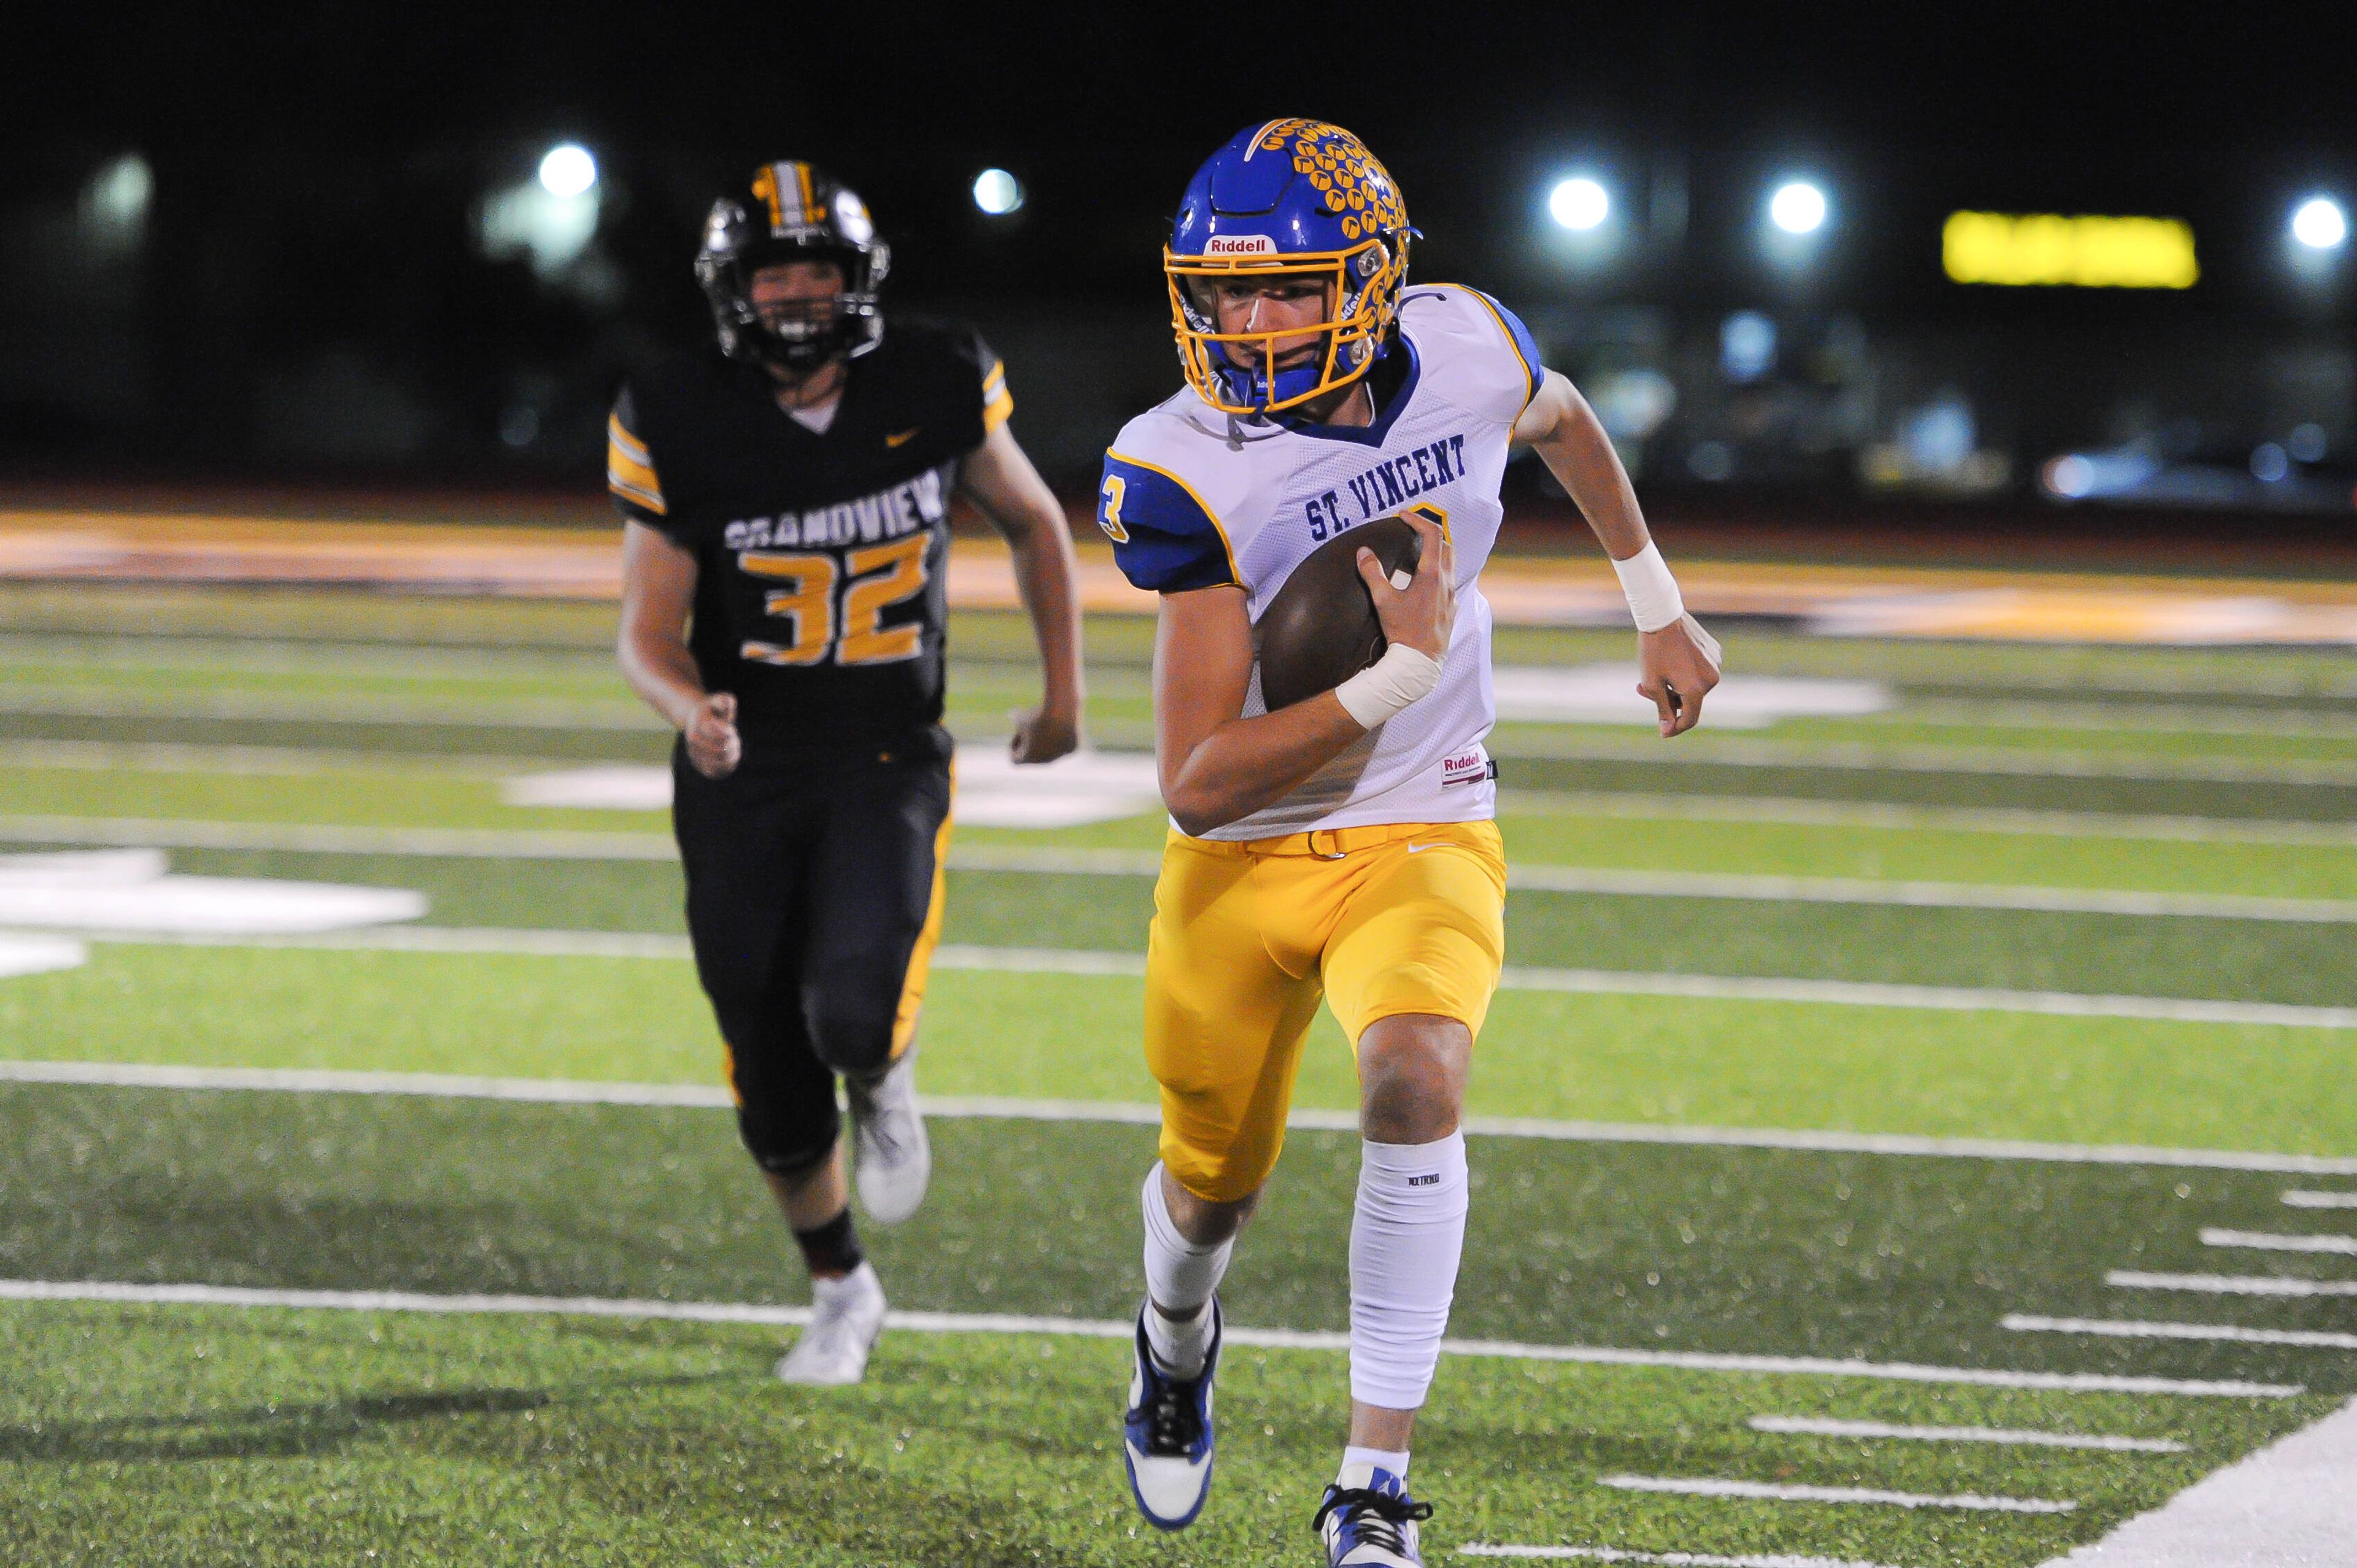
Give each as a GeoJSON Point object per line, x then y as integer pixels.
{"type": "Point", "coordinates": [895, 1158]}
{"type": "Point", "coordinates": [847, 1316]}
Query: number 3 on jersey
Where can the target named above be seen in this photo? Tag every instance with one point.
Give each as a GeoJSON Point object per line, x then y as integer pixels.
{"type": "Point", "coordinates": [880, 577]}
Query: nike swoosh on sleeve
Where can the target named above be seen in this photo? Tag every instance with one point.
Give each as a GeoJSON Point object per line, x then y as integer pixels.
{"type": "Point", "coordinates": [903, 438]}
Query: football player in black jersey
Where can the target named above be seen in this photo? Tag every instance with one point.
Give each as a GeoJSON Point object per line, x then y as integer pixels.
{"type": "Point", "coordinates": [787, 500]}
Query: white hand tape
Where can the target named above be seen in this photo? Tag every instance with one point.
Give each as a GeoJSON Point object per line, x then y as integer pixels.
{"type": "Point", "coordinates": [1653, 598]}
{"type": "Point", "coordinates": [1401, 676]}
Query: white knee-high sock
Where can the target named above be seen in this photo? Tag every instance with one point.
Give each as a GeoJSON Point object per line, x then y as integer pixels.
{"type": "Point", "coordinates": [1407, 1238]}
{"type": "Point", "coordinates": [1179, 1276]}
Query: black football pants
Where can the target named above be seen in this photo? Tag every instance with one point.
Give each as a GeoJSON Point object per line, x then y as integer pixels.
{"type": "Point", "coordinates": [813, 897]}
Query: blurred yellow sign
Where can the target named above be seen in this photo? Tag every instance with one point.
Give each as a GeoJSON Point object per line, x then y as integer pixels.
{"type": "Point", "coordinates": [2044, 248]}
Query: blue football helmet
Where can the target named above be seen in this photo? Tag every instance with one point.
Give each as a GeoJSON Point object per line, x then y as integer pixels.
{"type": "Point", "coordinates": [1295, 197]}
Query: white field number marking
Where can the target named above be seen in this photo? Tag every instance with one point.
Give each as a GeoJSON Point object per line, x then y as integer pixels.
{"type": "Point", "coordinates": [1710, 1486]}
{"type": "Point", "coordinates": [2230, 1284]}
{"type": "Point", "coordinates": [1670, 1558]}
{"type": "Point", "coordinates": [2269, 1241]}
{"type": "Point", "coordinates": [1817, 1427]}
{"type": "Point", "coordinates": [2134, 1328]}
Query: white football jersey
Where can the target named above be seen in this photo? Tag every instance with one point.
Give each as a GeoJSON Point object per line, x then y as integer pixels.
{"type": "Point", "coordinates": [1192, 498]}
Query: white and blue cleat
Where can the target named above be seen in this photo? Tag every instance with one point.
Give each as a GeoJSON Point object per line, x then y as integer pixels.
{"type": "Point", "coordinates": [1166, 1433]}
{"type": "Point", "coordinates": [1368, 1520]}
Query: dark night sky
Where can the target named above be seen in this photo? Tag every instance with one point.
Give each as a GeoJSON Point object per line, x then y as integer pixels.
{"type": "Point", "coordinates": [2092, 108]}
{"type": "Point", "coordinates": [316, 166]}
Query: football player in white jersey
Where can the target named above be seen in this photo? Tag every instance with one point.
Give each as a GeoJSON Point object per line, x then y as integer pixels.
{"type": "Point", "coordinates": [1343, 847]}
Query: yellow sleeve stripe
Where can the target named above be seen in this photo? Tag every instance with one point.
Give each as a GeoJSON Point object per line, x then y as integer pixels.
{"type": "Point", "coordinates": [627, 443]}
{"type": "Point", "coordinates": [1529, 373]}
{"type": "Point", "coordinates": [650, 500]}
{"type": "Point", "coordinates": [620, 465]}
{"type": "Point", "coordinates": [995, 411]}
{"type": "Point", "coordinates": [993, 378]}
{"type": "Point", "coordinates": [633, 480]}
{"type": "Point", "coordinates": [1219, 527]}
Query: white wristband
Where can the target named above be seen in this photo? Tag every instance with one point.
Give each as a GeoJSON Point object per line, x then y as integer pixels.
{"type": "Point", "coordinates": [1652, 592]}
{"type": "Point", "coordinates": [1401, 676]}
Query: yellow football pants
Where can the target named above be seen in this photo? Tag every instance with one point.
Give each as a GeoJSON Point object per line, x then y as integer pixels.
{"type": "Point", "coordinates": [1405, 917]}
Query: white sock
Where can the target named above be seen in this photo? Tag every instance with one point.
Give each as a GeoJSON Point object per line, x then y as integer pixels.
{"type": "Point", "coordinates": [1407, 1237]}
{"type": "Point", "coordinates": [1180, 1277]}
{"type": "Point", "coordinates": [1374, 1459]}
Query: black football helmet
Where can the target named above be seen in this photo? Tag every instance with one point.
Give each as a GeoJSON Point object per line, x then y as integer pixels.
{"type": "Point", "coordinates": [791, 211]}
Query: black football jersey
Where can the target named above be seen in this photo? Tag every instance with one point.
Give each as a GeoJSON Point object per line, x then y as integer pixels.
{"type": "Point", "coordinates": [822, 559]}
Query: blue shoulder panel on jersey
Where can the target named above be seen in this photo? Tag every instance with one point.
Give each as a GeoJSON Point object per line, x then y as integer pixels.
{"type": "Point", "coordinates": [1165, 539]}
{"type": "Point", "coordinates": [1520, 337]}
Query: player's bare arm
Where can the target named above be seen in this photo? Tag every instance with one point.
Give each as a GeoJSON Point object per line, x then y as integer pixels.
{"type": "Point", "coordinates": [1217, 767]}
{"type": "Point", "coordinates": [998, 477]}
{"type": "Point", "coordinates": [658, 593]}
{"type": "Point", "coordinates": [1678, 663]}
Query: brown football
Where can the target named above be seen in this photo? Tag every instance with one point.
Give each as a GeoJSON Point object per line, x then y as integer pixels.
{"type": "Point", "coordinates": [1320, 629]}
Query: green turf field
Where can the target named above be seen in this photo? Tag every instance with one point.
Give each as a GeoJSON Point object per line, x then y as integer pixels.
{"type": "Point", "coordinates": [329, 738]}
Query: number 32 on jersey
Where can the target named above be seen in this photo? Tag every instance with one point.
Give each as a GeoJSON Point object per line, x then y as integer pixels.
{"type": "Point", "coordinates": [871, 581]}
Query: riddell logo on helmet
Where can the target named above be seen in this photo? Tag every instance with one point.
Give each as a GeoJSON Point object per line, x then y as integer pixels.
{"type": "Point", "coordinates": [1239, 245]}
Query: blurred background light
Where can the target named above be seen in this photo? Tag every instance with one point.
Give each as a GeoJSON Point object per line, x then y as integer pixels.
{"type": "Point", "coordinates": [548, 219]}
{"type": "Point", "coordinates": [1747, 347]}
{"type": "Point", "coordinates": [2080, 476]}
{"type": "Point", "coordinates": [114, 204]}
{"type": "Point", "coordinates": [1579, 203]}
{"type": "Point", "coordinates": [2269, 462]}
{"type": "Point", "coordinates": [2320, 224]}
{"type": "Point", "coordinates": [1797, 207]}
{"type": "Point", "coordinates": [569, 170]}
{"type": "Point", "coordinates": [997, 192]}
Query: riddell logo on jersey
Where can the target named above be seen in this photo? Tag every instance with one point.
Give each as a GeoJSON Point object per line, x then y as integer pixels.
{"type": "Point", "coordinates": [1240, 245]}
{"type": "Point", "coordinates": [1466, 768]}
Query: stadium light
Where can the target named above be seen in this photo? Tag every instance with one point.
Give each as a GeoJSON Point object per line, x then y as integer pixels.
{"type": "Point", "coordinates": [1797, 207]}
{"type": "Point", "coordinates": [2320, 224]}
{"type": "Point", "coordinates": [567, 170]}
{"type": "Point", "coordinates": [1579, 203]}
{"type": "Point", "coordinates": [997, 192]}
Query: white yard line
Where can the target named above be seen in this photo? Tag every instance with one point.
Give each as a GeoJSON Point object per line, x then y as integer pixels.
{"type": "Point", "coordinates": [1820, 1426]}
{"type": "Point", "coordinates": [1801, 811]}
{"type": "Point", "coordinates": [1762, 889]}
{"type": "Point", "coordinates": [2230, 1284]}
{"type": "Point", "coordinates": [505, 844]}
{"type": "Point", "coordinates": [1582, 982]}
{"type": "Point", "coordinates": [2287, 1505]}
{"type": "Point", "coordinates": [2270, 1241]}
{"type": "Point", "coordinates": [471, 843]}
{"type": "Point", "coordinates": [2136, 1328]}
{"type": "Point", "coordinates": [304, 1080]}
{"type": "Point", "coordinates": [1937, 998]}
{"type": "Point", "coordinates": [259, 761]}
{"type": "Point", "coordinates": [1928, 894]}
{"type": "Point", "coordinates": [349, 709]}
{"type": "Point", "coordinates": [1006, 1322]}
{"type": "Point", "coordinates": [2168, 719]}
{"type": "Point", "coordinates": [1778, 809]}
{"type": "Point", "coordinates": [1673, 1559]}
{"type": "Point", "coordinates": [2299, 1200]}
{"type": "Point", "coordinates": [556, 1090]}
{"type": "Point", "coordinates": [1710, 1486]}
{"type": "Point", "coordinates": [510, 940]}
{"type": "Point", "coordinates": [2021, 762]}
